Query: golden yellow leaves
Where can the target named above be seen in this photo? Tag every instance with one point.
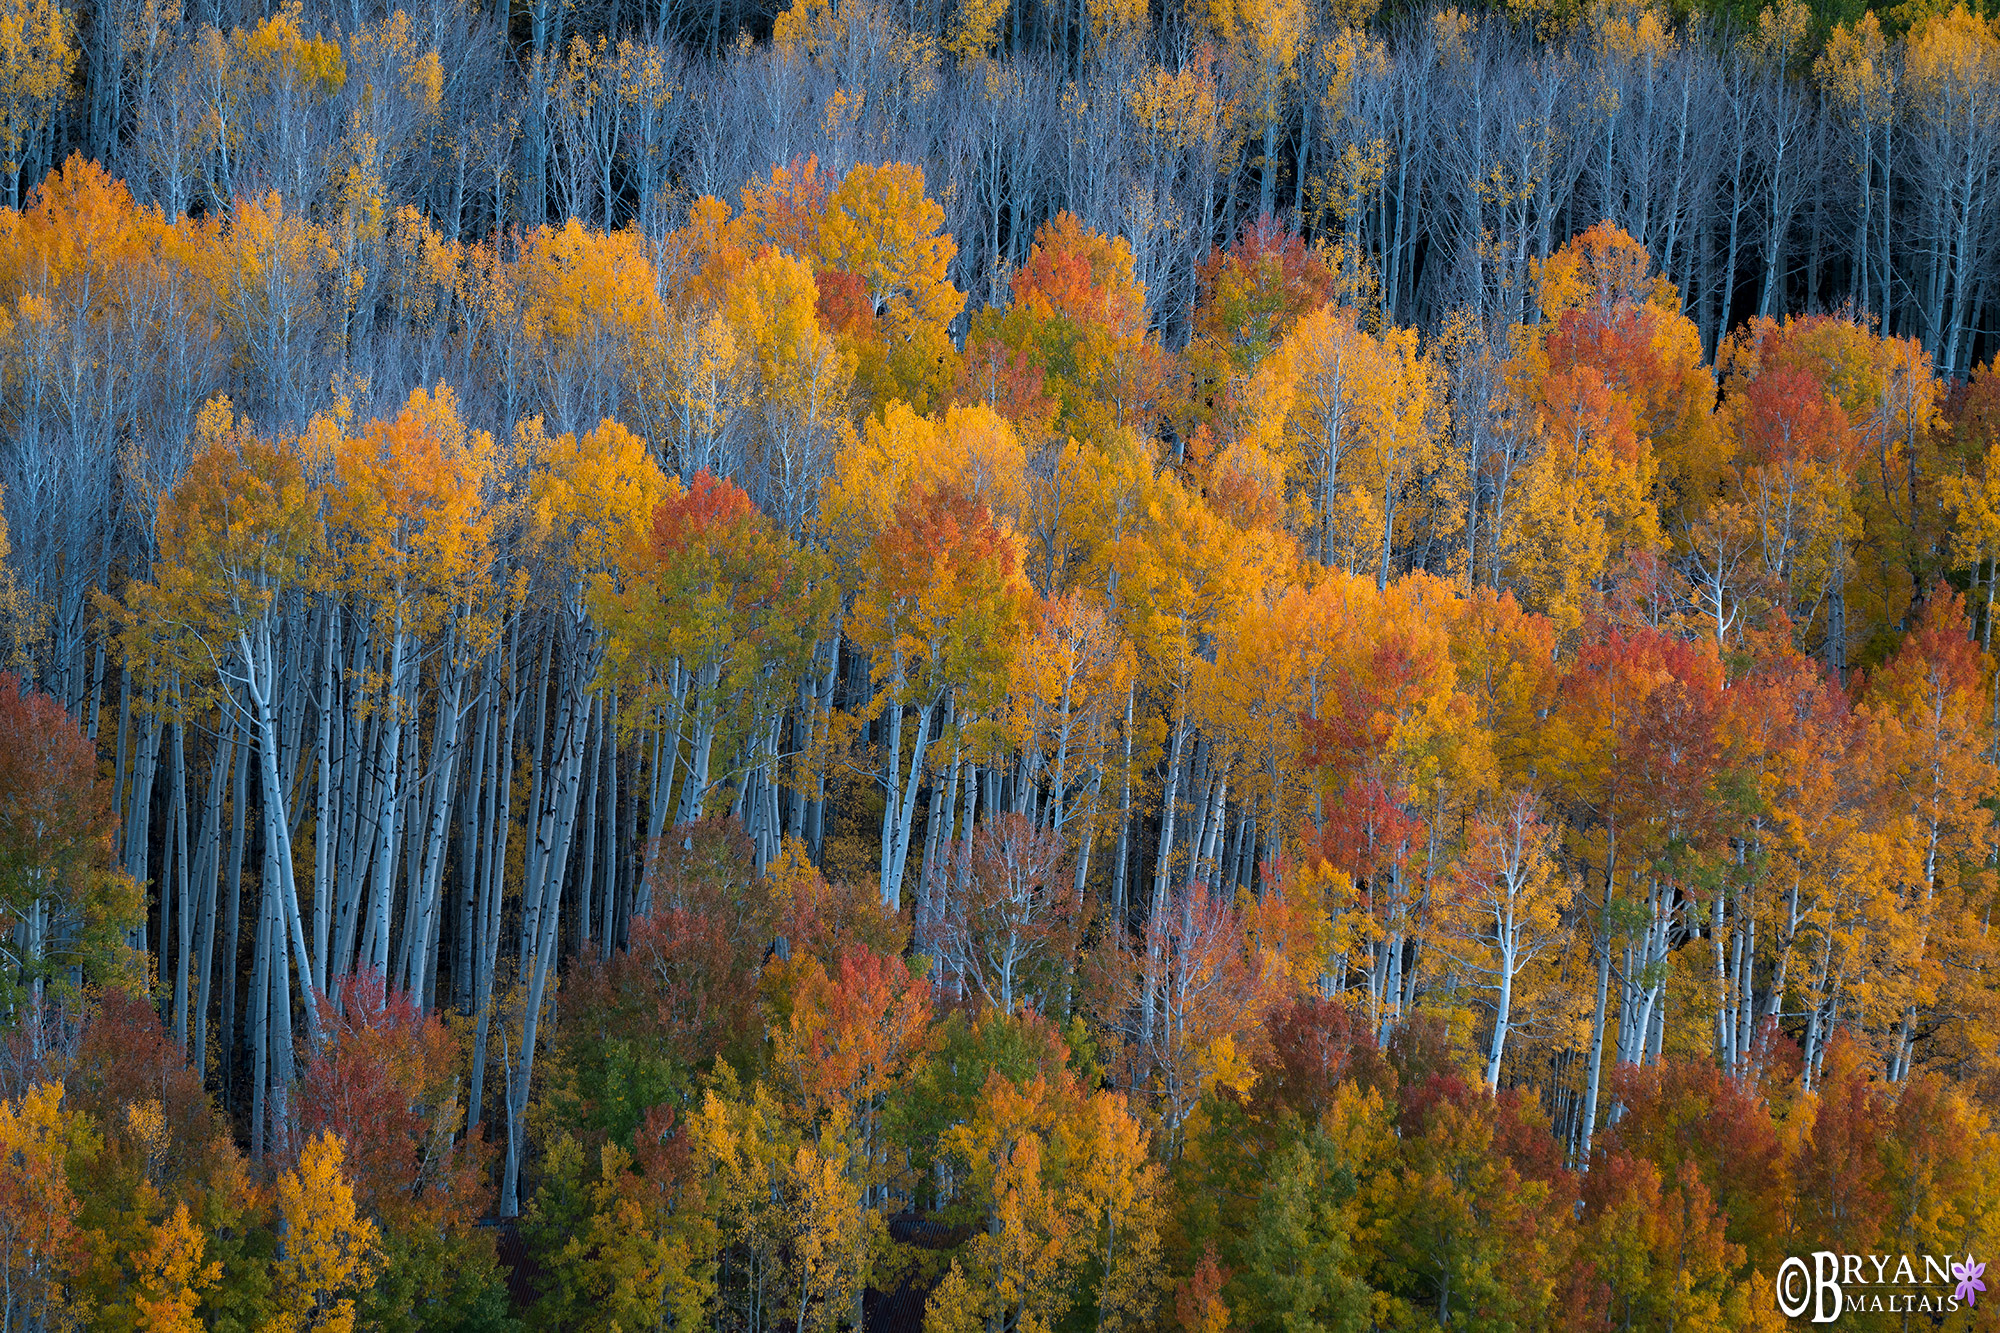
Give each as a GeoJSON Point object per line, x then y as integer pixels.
{"type": "Point", "coordinates": [881, 229]}
{"type": "Point", "coordinates": [241, 526]}
{"type": "Point", "coordinates": [37, 52]}
{"type": "Point", "coordinates": [787, 1192]}
{"type": "Point", "coordinates": [975, 28]}
{"type": "Point", "coordinates": [1358, 418]}
{"type": "Point", "coordinates": [1177, 110]}
{"type": "Point", "coordinates": [274, 270]}
{"type": "Point", "coordinates": [39, 1240]}
{"type": "Point", "coordinates": [1116, 21]}
{"type": "Point", "coordinates": [579, 288]}
{"type": "Point", "coordinates": [901, 454]}
{"type": "Point", "coordinates": [1267, 35]}
{"type": "Point", "coordinates": [1586, 501]}
{"type": "Point", "coordinates": [590, 497]}
{"type": "Point", "coordinates": [401, 515]}
{"type": "Point", "coordinates": [277, 53]}
{"type": "Point", "coordinates": [1854, 68]}
{"type": "Point", "coordinates": [329, 1250]}
{"type": "Point", "coordinates": [410, 514]}
{"type": "Point", "coordinates": [172, 1276]}
{"type": "Point", "coordinates": [1782, 30]}
{"type": "Point", "coordinates": [1954, 60]}
{"type": "Point", "coordinates": [1634, 33]}
{"type": "Point", "coordinates": [1061, 1180]}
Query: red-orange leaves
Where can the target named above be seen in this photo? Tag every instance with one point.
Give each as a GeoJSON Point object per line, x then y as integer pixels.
{"type": "Point", "coordinates": [1784, 416]}
{"type": "Point", "coordinates": [1253, 292]}
{"type": "Point", "coordinates": [1083, 276]}
{"type": "Point", "coordinates": [942, 601]}
{"type": "Point", "coordinates": [385, 1080]}
{"type": "Point", "coordinates": [705, 515]}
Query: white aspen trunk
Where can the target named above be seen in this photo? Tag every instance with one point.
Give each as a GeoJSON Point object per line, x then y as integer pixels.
{"type": "Point", "coordinates": [1596, 1070]}
{"type": "Point", "coordinates": [1728, 980]}
{"type": "Point", "coordinates": [1122, 855]}
{"type": "Point", "coordinates": [238, 833]}
{"type": "Point", "coordinates": [1212, 872]}
{"type": "Point", "coordinates": [260, 1009]}
{"type": "Point", "coordinates": [281, 1033]}
{"type": "Point", "coordinates": [138, 822]}
{"type": "Point", "coordinates": [323, 823]}
{"type": "Point", "coordinates": [388, 805]}
{"type": "Point", "coordinates": [592, 765]}
{"type": "Point", "coordinates": [559, 826]}
{"type": "Point", "coordinates": [468, 848]}
{"type": "Point", "coordinates": [442, 784]}
{"type": "Point", "coordinates": [1149, 1000]}
{"type": "Point", "coordinates": [183, 882]}
{"type": "Point", "coordinates": [892, 885]}
{"type": "Point", "coordinates": [260, 681]}
{"type": "Point", "coordinates": [892, 760]}
{"type": "Point", "coordinates": [608, 921]}
{"type": "Point", "coordinates": [701, 749]}
{"type": "Point", "coordinates": [1509, 941]}
{"type": "Point", "coordinates": [211, 867]}
{"type": "Point", "coordinates": [497, 821]}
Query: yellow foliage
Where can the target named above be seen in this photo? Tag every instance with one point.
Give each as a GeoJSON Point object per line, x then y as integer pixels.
{"type": "Point", "coordinates": [1634, 32]}
{"type": "Point", "coordinates": [37, 52]}
{"type": "Point", "coordinates": [1116, 21]}
{"type": "Point", "coordinates": [41, 1249]}
{"type": "Point", "coordinates": [901, 454]}
{"type": "Point", "coordinates": [172, 1276]}
{"type": "Point", "coordinates": [975, 27]}
{"type": "Point", "coordinates": [880, 226]}
{"type": "Point", "coordinates": [1956, 56]}
{"type": "Point", "coordinates": [328, 1251]}
{"type": "Point", "coordinates": [590, 497]}
{"type": "Point", "coordinates": [411, 515]}
{"type": "Point", "coordinates": [276, 54]}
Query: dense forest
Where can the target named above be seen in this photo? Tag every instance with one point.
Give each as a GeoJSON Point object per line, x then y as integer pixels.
{"type": "Point", "coordinates": [1007, 667]}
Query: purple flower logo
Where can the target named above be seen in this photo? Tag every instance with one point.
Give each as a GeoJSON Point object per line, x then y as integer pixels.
{"type": "Point", "coordinates": [1968, 1274]}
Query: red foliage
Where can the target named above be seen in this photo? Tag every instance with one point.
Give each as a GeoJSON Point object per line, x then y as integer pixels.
{"type": "Point", "coordinates": [1683, 1111]}
{"type": "Point", "coordinates": [1522, 1133]}
{"type": "Point", "coordinates": [1785, 416]}
{"type": "Point", "coordinates": [55, 823]}
{"type": "Point", "coordinates": [688, 982]}
{"type": "Point", "coordinates": [1198, 1306]}
{"type": "Point", "coordinates": [385, 1080]}
{"type": "Point", "coordinates": [855, 1028]}
{"type": "Point", "coordinates": [1639, 711]}
{"type": "Point", "coordinates": [1072, 272]}
{"type": "Point", "coordinates": [937, 525]}
{"type": "Point", "coordinates": [1430, 1088]}
{"type": "Point", "coordinates": [1316, 1045]}
{"type": "Point", "coordinates": [1008, 381]}
{"type": "Point", "coordinates": [1938, 650]}
{"type": "Point", "coordinates": [786, 209]}
{"type": "Point", "coordinates": [698, 514]}
{"type": "Point", "coordinates": [123, 1058]}
{"type": "Point", "coordinates": [1369, 828]}
{"type": "Point", "coordinates": [1253, 292]}
{"type": "Point", "coordinates": [1841, 1193]}
{"type": "Point", "coordinates": [126, 1056]}
{"type": "Point", "coordinates": [844, 303]}
{"type": "Point", "coordinates": [1579, 403]}
{"type": "Point", "coordinates": [687, 978]}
